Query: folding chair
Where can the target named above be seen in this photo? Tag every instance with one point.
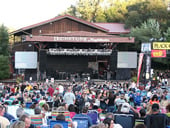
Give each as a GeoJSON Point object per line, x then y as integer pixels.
{"type": "Point", "coordinates": [81, 122]}
{"type": "Point", "coordinates": [63, 123]}
{"type": "Point", "coordinates": [125, 120]}
{"type": "Point", "coordinates": [28, 104]}
{"type": "Point", "coordinates": [94, 116]}
{"type": "Point", "coordinates": [65, 113]}
{"type": "Point", "coordinates": [37, 120]}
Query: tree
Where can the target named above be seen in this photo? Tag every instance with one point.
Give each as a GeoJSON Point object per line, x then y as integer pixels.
{"type": "Point", "coordinates": [167, 34]}
{"type": "Point", "coordinates": [4, 67]}
{"type": "Point", "coordinates": [4, 53]}
{"type": "Point", "coordinates": [4, 41]}
{"type": "Point", "coordinates": [147, 30]}
{"type": "Point", "coordinates": [86, 9]}
{"type": "Point", "coordinates": [141, 11]}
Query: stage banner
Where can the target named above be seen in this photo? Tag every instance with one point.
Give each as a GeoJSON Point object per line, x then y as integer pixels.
{"type": "Point", "coordinates": [158, 53]}
{"type": "Point", "coordinates": [161, 45]}
{"type": "Point", "coordinates": [139, 67]}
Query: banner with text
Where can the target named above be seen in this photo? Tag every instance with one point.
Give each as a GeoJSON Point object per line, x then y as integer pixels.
{"type": "Point", "coordinates": [161, 45]}
{"type": "Point", "coordinates": [139, 67]}
{"type": "Point", "coordinates": [158, 53]}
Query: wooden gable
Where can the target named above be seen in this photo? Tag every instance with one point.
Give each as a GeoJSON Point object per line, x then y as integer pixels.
{"type": "Point", "coordinates": [63, 25]}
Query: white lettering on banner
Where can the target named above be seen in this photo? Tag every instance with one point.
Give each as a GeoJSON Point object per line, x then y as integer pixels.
{"type": "Point", "coordinates": [139, 67]}
{"type": "Point", "coordinates": [83, 39]}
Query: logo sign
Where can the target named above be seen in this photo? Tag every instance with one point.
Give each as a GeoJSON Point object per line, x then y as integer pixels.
{"type": "Point", "coordinates": [158, 53]}
{"type": "Point", "coordinates": [146, 47]}
{"type": "Point", "coordinates": [52, 80]}
{"type": "Point", "coordinates": [161, 45]}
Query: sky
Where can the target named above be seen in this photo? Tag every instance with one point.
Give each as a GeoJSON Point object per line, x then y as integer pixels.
{"type": "Point", "coordinates": [16, 14]}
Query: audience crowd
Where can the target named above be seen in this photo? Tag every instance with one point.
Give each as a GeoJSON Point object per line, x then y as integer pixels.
{"type": "Point", "coordinates": [22, 103]}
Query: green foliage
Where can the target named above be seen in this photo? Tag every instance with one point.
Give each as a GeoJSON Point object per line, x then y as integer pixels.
{"type": "Point", "coordinates": [4, 67]}
{"type": "Point", "coordinates": [147, 30]}
{"type": "Point", "coordinates": [134, 78]}
{"type": "Point", "coordinates": [4, 39]}
{"type": "Point", "coordinates": [4, 53]}
{"type": "Point", "coordinates": [167, 34]}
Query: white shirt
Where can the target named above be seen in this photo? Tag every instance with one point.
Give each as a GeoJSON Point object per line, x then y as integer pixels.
{"type": "Point", "coordinates": [117, 126]}
{"type": "Point", "coordinates": [61, 88]}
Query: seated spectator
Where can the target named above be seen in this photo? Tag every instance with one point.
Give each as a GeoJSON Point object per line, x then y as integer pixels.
{"type": "Point", "coordinates": [3, 121]}
{"type": "Point", "coordinates": [84, 114]}
{"type": "Point", "coordinates": [140, 126]}
{"type": "Point", "coordinates": [26, 118]}
{"type": "Point", "coordinates": [72, 110]}
{"type": "Point", "coordinates": [109, 123]}
{"type": "Point", "coordinates": [156, 119]}
{"type": "Point", "coordinates": [57, 126]}
{"type": "Point", "coordinates": [109, 115]}
{"type": "Point", "coordinates": [19, 112]}
{"type": "Point", "coordinates": [7, 115]}
{"type": "Point", "coordinates": [37, 111]}
{"type": "Point", "coordinates": [154, 99]}
{"type": "Point", "coordinates": [100, 125]}
{"type": "Point", "coordinates": [60, 117]}
{"type": "Point", "coordinates": [18, 124]}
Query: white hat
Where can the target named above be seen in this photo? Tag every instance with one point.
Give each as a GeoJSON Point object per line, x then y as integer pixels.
{"type": "Point", "coordinates": [125, 108]}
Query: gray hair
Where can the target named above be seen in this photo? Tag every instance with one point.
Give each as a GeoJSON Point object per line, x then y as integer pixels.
{"type": "Point", "coordinates": [19, 112]}
{"type": "Point", "coordinates": [18, 124]}
{"type": "Point", "coordinates": [24, 116]}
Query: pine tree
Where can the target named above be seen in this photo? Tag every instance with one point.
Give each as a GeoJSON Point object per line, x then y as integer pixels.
{"type": "Point", "coordinates": [4, 53]}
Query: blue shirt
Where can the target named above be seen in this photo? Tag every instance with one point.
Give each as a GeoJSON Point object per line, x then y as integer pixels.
{"type": "Point", "coordinates": [9, 116]}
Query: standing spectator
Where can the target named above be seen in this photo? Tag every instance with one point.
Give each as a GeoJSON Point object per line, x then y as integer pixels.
{"type": "Point", "coordinates": [51, 90]}
{"type": "Point", "coordinates": [69, 97]}
{"type": "Point", "coordinates": [60, 90]}
{"type": "Point", "coordinates": [111, 102]}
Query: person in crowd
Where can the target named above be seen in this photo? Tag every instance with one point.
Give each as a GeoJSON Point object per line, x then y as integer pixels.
{"type": "Point", "coordinates": [138, 99]}
{"type": "Point", "coordinates": [18, 124]}
{"type": "Point", "coordinates": [37, 111]}
{"type": "Point", "coordinates": [140, 126]}
{"type": "Point", "coordinates": [8, 115]}
{"type": "Point", "coordinates": [80, 101]}
{"type": "Point", "coordinates": [26, 118]}
{"type": "Point", "coordinates": [120, 99]}
{"type": "Point", "coordinates": [154, 99]}
{"type": "Point", "coordinates": [103, 100]}
{"type": "Point", "coordinates": [19, 112]}
{"type": "Point", "coordinates": [156, 119]}
{"type": "Point", "coordinates": [84, 114]}
{"type": "Point", "coordinates": [111, 102]}
{"type": "Point", "coordinates": [60, 90]}
{"type": "Point", "coordinates": [109, 123]}
{"type": "Point", "coordinates": [168, 113]}
{"type": "Point", "coordinates": [69, 97]}
{"type": "Point", "coordinates": [3, 121]}
{"type": "Point", "coordinates": [72, 110]}
{"type": "Point", "coordinates": [50, 90]}
{"type": "Point", "coordinates": [61, 117]}
{"type": "Point", "coordinates": [57, 126]}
